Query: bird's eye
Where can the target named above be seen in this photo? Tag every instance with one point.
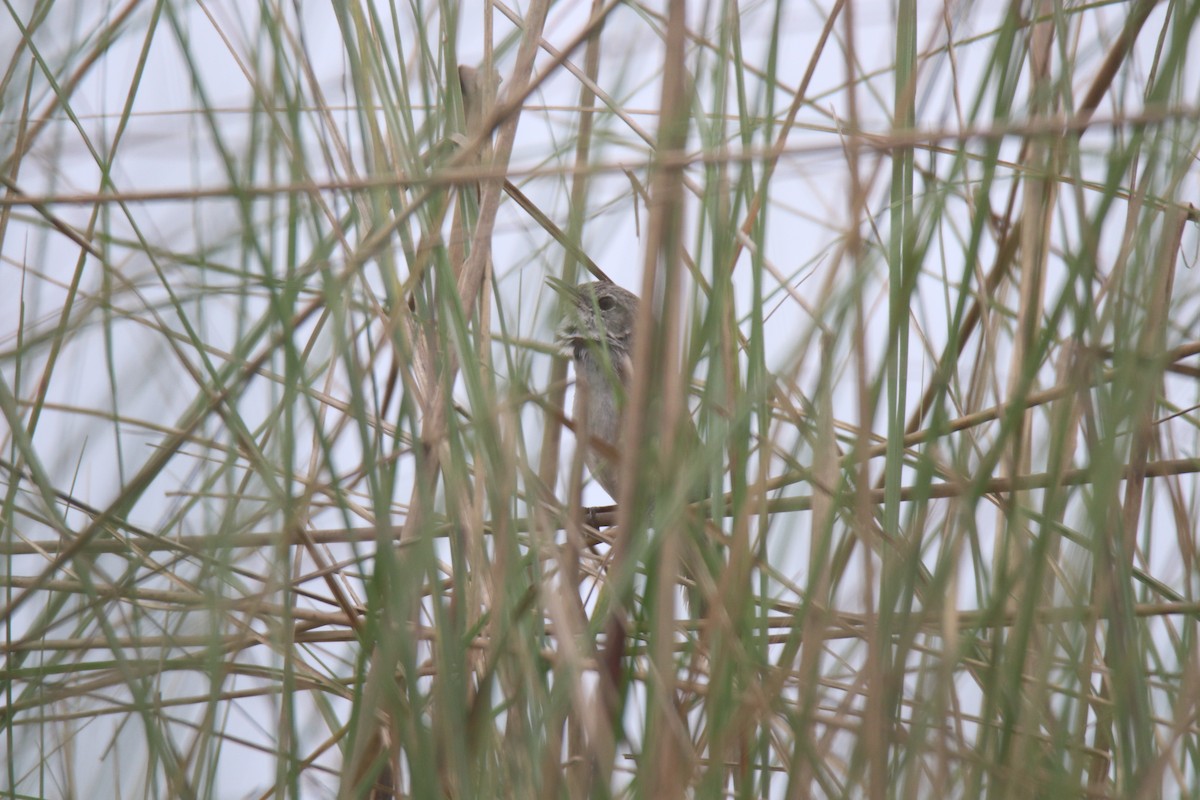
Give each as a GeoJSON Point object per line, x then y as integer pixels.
{"type": "Point", "coordinates": [606, 303]}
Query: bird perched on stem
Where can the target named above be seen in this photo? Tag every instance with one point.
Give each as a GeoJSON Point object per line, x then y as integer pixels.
{"type": "Point", "coordinates": [597, 333]}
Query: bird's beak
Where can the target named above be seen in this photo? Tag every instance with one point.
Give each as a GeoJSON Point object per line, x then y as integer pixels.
{"type": "Point", "coordinates": [567, 332]}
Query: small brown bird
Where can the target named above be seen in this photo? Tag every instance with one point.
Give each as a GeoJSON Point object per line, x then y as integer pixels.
{"type": "Point", "coordinates": [597, 332]}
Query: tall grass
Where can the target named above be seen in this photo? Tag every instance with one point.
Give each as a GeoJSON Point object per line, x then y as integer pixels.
{"type": "Point", "coordinates": [290, 496]}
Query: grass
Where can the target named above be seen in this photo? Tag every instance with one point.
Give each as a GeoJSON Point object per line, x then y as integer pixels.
{"type": "Point", "coordinates": [289, 494]}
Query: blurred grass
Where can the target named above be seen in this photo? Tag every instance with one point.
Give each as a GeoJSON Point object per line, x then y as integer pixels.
{"type": "Point", "coordinates": [289, 505]}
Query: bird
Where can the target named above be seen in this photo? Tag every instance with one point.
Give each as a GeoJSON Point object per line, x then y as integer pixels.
{"type": "Point", "coordinates": [597, 333]}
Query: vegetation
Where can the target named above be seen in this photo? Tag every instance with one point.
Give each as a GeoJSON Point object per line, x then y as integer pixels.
{"type": "Point", "coordinates": [290, 502]}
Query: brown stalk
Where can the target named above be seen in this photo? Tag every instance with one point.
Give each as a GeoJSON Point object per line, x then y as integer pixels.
{"type": "Point", "coordinates": [375, 742]}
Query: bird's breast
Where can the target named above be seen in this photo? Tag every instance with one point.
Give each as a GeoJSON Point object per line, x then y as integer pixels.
{"type": "Point", "coordinates": [597, 395]}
